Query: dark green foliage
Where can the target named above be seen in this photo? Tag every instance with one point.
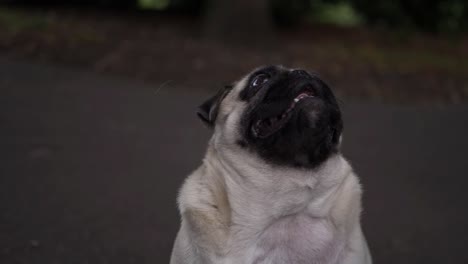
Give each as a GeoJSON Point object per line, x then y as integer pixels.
{"type": "Point", "coordinates": [187, 6]}
{"type": "Point", "coordinates": [79, 3]}
{"type": "Point", "coordinates": [289, 12]}
{"type": "Point", "coordinates": [428, 15]}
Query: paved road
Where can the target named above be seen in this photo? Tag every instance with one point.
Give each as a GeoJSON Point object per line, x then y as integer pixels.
{"type": "Point", "coordinates": [90, 165]}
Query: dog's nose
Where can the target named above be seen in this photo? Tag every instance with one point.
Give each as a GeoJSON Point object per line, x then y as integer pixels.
{"type": "Point", "coordinates": [300, 73]}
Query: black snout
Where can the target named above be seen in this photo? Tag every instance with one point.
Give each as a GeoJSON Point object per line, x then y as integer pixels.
{"type": "Point", "coordinates": [300, 73]}
{"type": "Point", "coordinates": [292, 119]}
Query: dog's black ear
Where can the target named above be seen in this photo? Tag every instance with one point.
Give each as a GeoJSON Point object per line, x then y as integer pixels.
{"type": "Point", "coordinates": [208, 111]}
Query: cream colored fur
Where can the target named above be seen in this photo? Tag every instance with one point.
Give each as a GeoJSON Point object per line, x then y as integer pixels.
{"type": "Point", "coordinates": [238, 209]}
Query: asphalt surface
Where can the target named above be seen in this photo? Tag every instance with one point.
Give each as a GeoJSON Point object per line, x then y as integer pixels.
{"type": "Point", "coordinates": [90, 167]}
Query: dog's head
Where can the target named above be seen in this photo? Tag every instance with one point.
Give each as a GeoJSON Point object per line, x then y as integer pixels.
{"type": "Point", "coordinates": [285, 116]}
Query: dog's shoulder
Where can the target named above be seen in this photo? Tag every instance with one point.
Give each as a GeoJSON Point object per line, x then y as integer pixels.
{"type": "Point", "coordinates": [204, 206]}
{"type": "Point", "coordinates": [348, 201]}
{"type": "Point", "coordinates": [203, 190]}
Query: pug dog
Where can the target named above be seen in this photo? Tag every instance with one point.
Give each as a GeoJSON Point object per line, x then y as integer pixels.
{"type": "Point", "coordinates": [273, 187]}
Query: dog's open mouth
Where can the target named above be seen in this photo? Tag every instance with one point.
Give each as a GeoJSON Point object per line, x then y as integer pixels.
{"type": "Point", "coordinates": [265, 127]}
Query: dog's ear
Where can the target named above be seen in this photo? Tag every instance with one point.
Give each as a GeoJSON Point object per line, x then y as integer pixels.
{"type": "Point", "coordinates": [208, 111]}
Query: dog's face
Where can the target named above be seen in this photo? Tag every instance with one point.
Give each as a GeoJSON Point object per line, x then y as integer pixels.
{"type": "Point", "coordinates": [286, 117]}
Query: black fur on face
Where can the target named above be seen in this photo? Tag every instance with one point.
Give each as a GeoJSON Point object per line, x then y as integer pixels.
{"type": "Point", "coordinates": [292, 117]}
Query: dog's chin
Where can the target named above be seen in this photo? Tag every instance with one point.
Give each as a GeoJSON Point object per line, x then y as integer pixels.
{"type": "Point", "coordinates": [304, 137]}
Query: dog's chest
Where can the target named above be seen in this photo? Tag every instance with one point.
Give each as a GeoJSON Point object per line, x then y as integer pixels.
{"type": "Point", "coordinates": [297, 239]}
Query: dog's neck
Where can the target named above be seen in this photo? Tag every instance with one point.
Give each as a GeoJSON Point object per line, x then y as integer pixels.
{"type": "Point", "coordinates": [259, 193]}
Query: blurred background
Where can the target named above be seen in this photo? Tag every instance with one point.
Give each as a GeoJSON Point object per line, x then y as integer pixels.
{"type": "Point", "coordinates": [98, 126]}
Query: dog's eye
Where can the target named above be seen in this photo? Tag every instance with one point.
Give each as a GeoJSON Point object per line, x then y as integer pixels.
{"type": "Point", "coordinates": [259, 80]}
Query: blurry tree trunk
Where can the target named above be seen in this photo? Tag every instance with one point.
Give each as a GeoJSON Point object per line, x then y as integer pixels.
{"type": "Point", "coordinates": [239, 21]}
